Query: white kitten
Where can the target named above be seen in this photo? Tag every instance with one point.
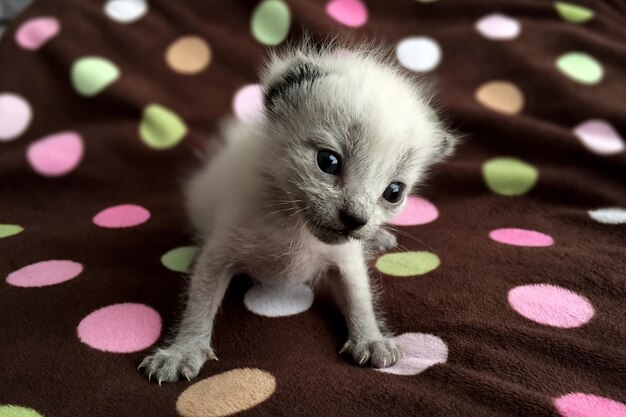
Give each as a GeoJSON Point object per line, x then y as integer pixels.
{"type": "Point", "coordinates": [306, 189]}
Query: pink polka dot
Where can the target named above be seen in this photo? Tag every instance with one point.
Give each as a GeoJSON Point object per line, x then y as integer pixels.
{"type": "Point", "coordinates": [56, 154]}
{"type": "Point", "coordinates": [351, 13]}
{"type": "Point", "coordinates": [34, 33]}
{"type": "Point", "coordinates": [521, 237]}
{"type": "Point", "coordinates": [125, 215]}
{"type": "Point", "coordinates": [120, 328]}
{"type": "Point", "coordinates": [248, 103]}
{"type": "Point", "coordinates": [15, 116]}
{"type": "Point", "coordinates": [417, 210]}
{"type": "Point", "coordinates": [421, 352]}
{"type": "Point", "coordinates": [44, 273]}
{"type": "Point", "coordinates": [600, 137]}
{"type": "Point", "coordinates": [578, 404]}
{"type": "Point", "coordinates": [551, 305]}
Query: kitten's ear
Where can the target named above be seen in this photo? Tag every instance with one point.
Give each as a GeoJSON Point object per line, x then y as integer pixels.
{"type": "Point", "coordinates": [288, 79]}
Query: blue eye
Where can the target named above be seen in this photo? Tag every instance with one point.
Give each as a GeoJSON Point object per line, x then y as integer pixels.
{"type": "Point", "coordinates": [393, 192]}
{"type": "Point", "coordinates": [328, 161]}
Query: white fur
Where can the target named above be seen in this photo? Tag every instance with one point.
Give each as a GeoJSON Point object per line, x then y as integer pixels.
{"type": "Point", "coordinates": [263, 207]}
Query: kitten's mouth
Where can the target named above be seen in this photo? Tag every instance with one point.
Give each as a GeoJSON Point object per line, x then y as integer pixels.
{"type": "Point", "coordinates": [330, 235]}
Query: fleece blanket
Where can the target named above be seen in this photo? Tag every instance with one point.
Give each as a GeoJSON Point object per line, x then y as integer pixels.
{"type": "Point", "coordinates": [506, 292]}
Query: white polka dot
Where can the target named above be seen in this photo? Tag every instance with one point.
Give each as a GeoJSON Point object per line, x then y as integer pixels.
{"type": "Point", "coordinates": [15, 116]}
{"type": "Point", "coordinates": [609, 215]}
{"type": "Point", "coordinates": [421, 351]}
{"type": "Point", "coordinates": [248, 103]}
{"type": "Point", "coordinates": [419, 53]}
{"type": "Point", "coordinates": [126, 11]}
{"type": "Point", "coordinates": [498, 27]}
{"type": "Point", "coordinates": [600, 137]}
{"type": "Point", "coordinates": [278, 300]}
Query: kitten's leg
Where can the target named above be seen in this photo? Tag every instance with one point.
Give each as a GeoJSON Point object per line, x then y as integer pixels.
{"type": "Point", "coordinates": [192, 345]}
{"type": "Point", "coordinates": [366, 343]}
{"type": "Point", "coordinates": [382, 240]}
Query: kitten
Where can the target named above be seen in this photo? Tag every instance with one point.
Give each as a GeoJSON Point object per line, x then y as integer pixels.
{"type": "Point", "coordinates": [305, 189]}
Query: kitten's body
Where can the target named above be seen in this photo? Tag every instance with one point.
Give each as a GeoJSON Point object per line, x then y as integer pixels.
{"type": "Point", "coordinates": [266, 208]}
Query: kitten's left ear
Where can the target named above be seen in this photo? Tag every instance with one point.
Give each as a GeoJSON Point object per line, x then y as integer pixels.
{"type": "Point", "coordinates": [288, 79]}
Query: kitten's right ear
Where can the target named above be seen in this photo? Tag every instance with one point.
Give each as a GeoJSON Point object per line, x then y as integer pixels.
{"type": "Point", "coordinates": [287, 80]}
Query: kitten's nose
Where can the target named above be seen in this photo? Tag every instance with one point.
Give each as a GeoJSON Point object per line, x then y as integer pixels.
{"type": "Point", "coordinates": [351, 221]}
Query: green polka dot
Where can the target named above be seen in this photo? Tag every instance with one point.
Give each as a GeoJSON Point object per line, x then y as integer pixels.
{"type": "Point", "coordinates": [573, 12]}
{"type": "Point", "coordinates": [509, 176]}
{"type": "Point", "coordinates": [16, 411]}
{"type": "Point", "coordinates": [580, 67]}
{"type": "Point", "coordinates": [161, 128]}
{"type": "Point", "coordinates": [7, 230]}
{"type": "Point", "coordinates": [179, 259]}
{"type": "Point", "coordinates": [270, 22]}
{"type": "Point", "coordinates": [91, 75]}
{"type": "Point", "coordinates": [406, 264]}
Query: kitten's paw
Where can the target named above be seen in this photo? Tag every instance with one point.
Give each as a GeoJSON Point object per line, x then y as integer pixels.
{"type": "Point", "coordinates": [379, 353]}
{"type": "Point", "coordinates": [383, 240]}
{"type": "Point", "coordinates": [168, 365]}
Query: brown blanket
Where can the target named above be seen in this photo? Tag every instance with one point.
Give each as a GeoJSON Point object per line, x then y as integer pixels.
{"type": "Point", "coordinates": [507, 291]}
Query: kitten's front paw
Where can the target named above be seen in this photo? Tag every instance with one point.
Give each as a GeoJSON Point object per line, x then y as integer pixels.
{"type": "Point", "coordinates": [173, 362]}
{"type": "Point", "coordinates": [383, 240]}
{"type": "Point", "coordinates": [379, 353]}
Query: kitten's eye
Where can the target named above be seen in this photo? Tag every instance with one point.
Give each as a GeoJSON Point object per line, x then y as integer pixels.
{"type": "Point", "coordinates": [328, 161]}
{"type": "Point", "coordinates": [393, 192]}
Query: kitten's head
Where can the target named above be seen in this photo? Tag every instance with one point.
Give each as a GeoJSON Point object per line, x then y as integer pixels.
{"type": "Point", "coordinates": [348, 137]}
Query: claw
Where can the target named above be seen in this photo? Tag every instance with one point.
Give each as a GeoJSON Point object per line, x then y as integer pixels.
{"type": "Point", "coordinates": [150, 376]}
{"type": "Point", "coordinates": [160, 381]}
{"type": "Point", "coordinates": [363, 359]}
{"type": "Point", "coordinates": [344, 349]}
{"type": "Point", "coordinates": [188, 379]}
{"type": "Point", "coordinates": [384, 362]}
{"type": "Point", "coordinates": [393, 355]}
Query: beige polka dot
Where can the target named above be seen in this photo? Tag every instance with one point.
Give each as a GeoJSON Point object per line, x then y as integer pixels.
{"type": "Point", "coordinates": [225, 394]}
{"type": "Point", "coordinates": [188, 55]}
{"type": "Point", "coordinates": [501, 96]}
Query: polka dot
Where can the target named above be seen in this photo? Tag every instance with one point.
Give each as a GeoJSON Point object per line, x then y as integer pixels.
{"type": "Point", "coordinates": [17, 411]}
{"type": "Point", "coordinates": [600, 137]}
{"type": "Point", "coordinates": [509, 176]}
{"type": "Point", "coordinates": [226, 393]}
{"type": "Point", "coordinates": [15, 116]}
{"type": "Point", "coordinates": [7, 230]}
{"type": "Point", "coordinates": [45, 273]}
{"type": "Point", "coordinates": [120, 328]}
{"type": "Point", "coordinates": [417, 210]}
{"type": "Point", "coordinates": [125, 11]}
{"type": "Point", "coordinates": [521, 237]}
{"type": "Point", "coordinates": [248, 103]}
{"type": "Point", "coordinates": [572, 12]}
{"type": "Point", "coordinates": [122, 216]}
{"type": "Point", "coordinates": [609, 215]}
{"type": "Point", "coordinates": [406, 264]}
{"type": "Point", "coordinates": [270, 22]}
{"type": "Point", "coordinates": [161, 128]}
{"type": "Point", "coordinates": [419, 53]}
{"type": "Point", "coordinates": [421, 352]}
{"type": "Point", "coordinates": [551, 305]}
{"type": "Point", "coordinates": [36, 32]}
{"type": "Point", "coordinates": [578, 404]}
{"type": "Point", "coordinates": [56, 155]}
{"type": "Point", "coordinates": [179, 259]}
{"type": "Point", "coordinates": [351, 13]}
{"type": "Point", "coordinates": [188, 55]}
{"type": "Point", "coordinates": [501, 96]}
{"type": "Point", "coordinates": [580, 67]}
{"type": "Point", "coordinates": [498, 27]}
{"type": "Point", "coordinates": [278, 300]}
{"type": "Point", "coordinates": [91, 75]}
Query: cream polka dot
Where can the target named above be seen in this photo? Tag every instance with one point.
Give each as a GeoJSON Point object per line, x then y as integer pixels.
{"type": "Point", "coordinates": [609, 215]}
{"type": "Point", "coordinates": [419, 53]}
{"type": "Point", "coordinates": [227, 393]}
{"type": "Point", "coordinates": [188, 55]}
{"type": "Point", "coordinates": [278, 300]}
{"type": "Point", "coordinates": [501, 96]}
